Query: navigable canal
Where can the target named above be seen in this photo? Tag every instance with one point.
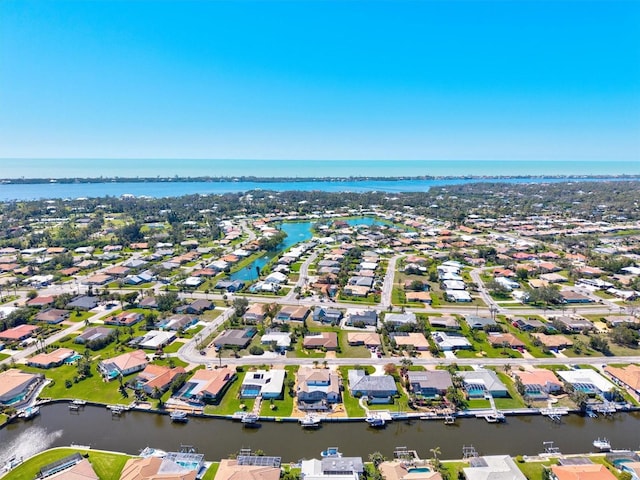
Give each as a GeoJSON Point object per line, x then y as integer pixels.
{"type": "Point", "coordinates": [297, 232]}
{"type": "Point", "coordinates": [216, 438]}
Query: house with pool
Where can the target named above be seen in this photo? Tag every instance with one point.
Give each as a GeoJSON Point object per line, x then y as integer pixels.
{"type": "Point", "coordinates": [588, 381]}
{"type": "Point", "coordinates": [207, 386]}
{"type": "Point", "coordinates": [265, 383]}
{"type": "Point", "coordinates": [123, 365]}
{"type": "Point", "coordinates": [400, 470]}
{"type": "Point", "coordinates": [16, 386]}
{"type": "Point", "coordinates": [481, 382]}
{"type": "Point", "coordinates": [53, 359]}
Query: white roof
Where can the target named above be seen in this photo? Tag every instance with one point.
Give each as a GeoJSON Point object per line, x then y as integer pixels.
{"type": "Point", "coordinates": [454, 285]}
{"type": "Point", "coordinates": [276, 277]}
{"type": "Point", "coordinates": [498, 467]}
{"type": "Point", "coordinates": [270, 381]}
{"type": "Point", "coordinates": [282, 339]}
{"type": "Point", "coordinates": [155, 338]}
{"type": "Point", "coordinates": [586, 375]}
{"type": "Point", "coordinates": [450, 342]}
{"type": "Point", "coordinates": [458, 294]}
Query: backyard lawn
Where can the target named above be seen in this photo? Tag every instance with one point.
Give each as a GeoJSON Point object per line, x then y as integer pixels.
{"type": "Point", "coordinates": [106, 465]}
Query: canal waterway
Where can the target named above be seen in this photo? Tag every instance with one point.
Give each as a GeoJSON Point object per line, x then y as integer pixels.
{"type": "Point", "coordinates": [297, 232]}
{"type": "Point", "coordinates": [217, 438]}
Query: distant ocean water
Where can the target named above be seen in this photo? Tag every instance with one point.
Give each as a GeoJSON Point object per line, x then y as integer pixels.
{"type": "Point", "coordinates": [543, 172]}
{"type": "Point", "coordinates": [60, 168]}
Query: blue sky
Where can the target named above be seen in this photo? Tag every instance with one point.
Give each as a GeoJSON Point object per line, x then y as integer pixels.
{"type": "Point", "coordinates": [321, 79]}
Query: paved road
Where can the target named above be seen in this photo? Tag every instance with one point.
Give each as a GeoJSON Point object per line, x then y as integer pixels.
{"type": "Point", "coordinates": [303, 277]}
{"type": "Point", "coordinates": [387, 285]}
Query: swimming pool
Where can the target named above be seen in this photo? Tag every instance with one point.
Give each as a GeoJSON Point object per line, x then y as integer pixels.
{"type": "Point", "coordinates": [419, 470]}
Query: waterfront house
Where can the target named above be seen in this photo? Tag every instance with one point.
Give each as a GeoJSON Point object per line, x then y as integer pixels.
{"type": "Point", "coordinates": [19, 333]}
{"type": "Point", "coordinates": [317, 389]}
{"type": "Point", "coordinates": [157, 378]}
{"type": "Point", "coordinates": [399, 470]}
{"type": "Point", "coordinates": [124, 364]}
{"type": "Point", "coordinates": [368, 339]}
{"type": "Point", "coordinates": [291, 313]}
{"type": "Point", "coordinates": [52, 359]}
{"type": "Point", "coordinates": [80, 470]}
{"type": "Point", "coordinates": [173, 466]}
{"type": "Point", "coordinates": [124, 319]}
{"type": "Point", "coordinates": [238, 338]}
{"type": "Point", "coordinates": [429, 383]}
{"type": "Point", "coordinates": [590, 471]}
{"type": "Point", "coordinates": [493, 467]}
{"type": "Point", "coordinates": [327, 315]}
{"type": "Point", "coordinates": [52, 316]}
{"type": "Point", "coordinates": [16, 386]}
{"type": "Point", "coordinates": [538, 382]}
{"type": "Point", "coordinates": [367, 318]}
{"type": "Point", "coordinates": [335, 468]}
{"type": "Point", "coordinates": [481, 382]}
{"type": "Point", "coordinates": [588, 381]}
{"type": "Point", "coordinates": [415, 340]}
{"type": "Point", "coordinates": [377, 388]}
{"type": "Point", "coordinates": [265, 383]}
{"type": "Point", "coordinates": [230, 286]}
{"type": "Point", "coordinates": [448, 342]}
{"type": "Point", "coordinates": [628, 376]}
{"type": "Point", "coordinates": [247, 468]}
{"type": "Point", "coordinates": [326, 340]}
{"type": "Point", "coordinates": [207, 386]}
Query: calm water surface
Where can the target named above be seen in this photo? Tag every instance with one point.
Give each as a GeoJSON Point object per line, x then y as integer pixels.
{"type": "Point", "coordinates": [94, 426]}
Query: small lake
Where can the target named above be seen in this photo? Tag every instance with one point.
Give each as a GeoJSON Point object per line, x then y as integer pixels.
{"type": "Point", "coordinates": [297, 232]}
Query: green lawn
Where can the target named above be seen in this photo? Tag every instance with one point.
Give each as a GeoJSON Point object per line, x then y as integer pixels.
{"type": "Point", "coordinates": [535, 470]}
{"type": "Point", "coordinates": [351, 404]}
{"type": "Point", "coordinates": [454, 468]}
{"type": "Point", "coordinates": [3, 356]}
{"type": "Point", "coordinates": [515, 401]}
{"type": "Point", "coordinates": [230, 403]}
{"type": "Point", "coordinates": [173, 347]}
{"type": "Point", "coordinates": [211, 471]}
{"type": "Point", "coordinates": [284, 407]}
{"type": "Point", "coordinates": [106, 465]}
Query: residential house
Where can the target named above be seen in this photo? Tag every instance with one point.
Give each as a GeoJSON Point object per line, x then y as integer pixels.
{"type": "Point", "coordinates": [588, 381]}
{"type": "Point", "coordinates": [538, 382]}
{"type": "Point", "coordinates": [415, 340]}
{"type": "Point", "coordinates": [335, 468]}
{"type": "Point", "coordinates": [591, 471]}
{"type": "Point", "coordinates": [83, 302]}
{"type": "Point", "coordinates": [367, 318]}
{"type": "Point", "coordinates": [628, 376]}
{"type": "Point", "coordinates": [478, 323]}
{"type": "Point", "coordinates": [19, 333]}
{"type": "Point", "coordinates": [553, 342]}
{"type": "Point", "coordinates": [52, 359]}
{"type": "Point", "coordinates": [327, 315]}
{"type": "Point", "coordinates": [281, 341]}
{"type": "Point", "coordinates": [254, 314]}
{"type": "Point", "coordinates": [356, 290]}
{"type": "Point", "coordinates": [430, 383]}
{"type": "Point", "coordinates": [325, 340]}
{"type": "Point", "coordinates": [238, 338]}
{"type": "Point", "coordinates": [196, 307]}
{"type": "Point", "coordinates": [504, 340]}
{"type": "Point", "coordinates": [368, 339]}
{"type": "Point", "coordinates": [207, 386]}
{"type": "Point", "coordinates": [377, 388]}
{"type": "Point", "coordinates": [573, 323]}
{"type": "Point", "coordinates": [154, 339]}
{"type": "Point", "coordinates": [399, 470]}
{"type": "Point", "coordinates": [173, 466]}
{"type": "Point", "coordinates": [17, 386]}
{"type": "Point", "coordinates": [52, 316]}
{"type": "Point", "coordinates": [124, 319]}
{"type": "Point", "coordinates": [448, 342]}
{"type": "Point", "coordinates": [243, 469]}
{"type": "Point", "coordinates": [41, 301]}
{"type": "Point", "coordinates": [493, 467]}
{"type": "Point", "coordinates": [94, 334]}
{"type": "Point", "coordinates": [82, 470]}
{"type": "Point", "coordinates": [528, 324]}
{"type": "Point", "coordinates": [157, 378]}
{"type": "Point", "coordinates": [317, 389]}
{"type": "Point", "coordinates": [569, 296]}
{"type": "Point", "coordinates": [400, 319]}
{"type": "Point", "coordinates": [446, 321]}
{"type": "Point", "coordinates": [178, 322]}
{"type": "Point", "coordinates": [148, 302]}
{"type": "Point", "coordinates": [480, 382]}
{"type": "Point", "coordinates": [265, 383]}
{"type": "Point", "coordinates": [291, 313]}
{"type": "Point", "coordinates": [124, 364]}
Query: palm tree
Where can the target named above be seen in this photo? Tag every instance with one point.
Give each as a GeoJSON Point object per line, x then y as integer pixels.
{"type": "Point", "coordinates": [376, 458]}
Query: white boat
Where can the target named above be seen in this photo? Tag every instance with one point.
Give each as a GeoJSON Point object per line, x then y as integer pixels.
{"type": "Point", "coordinates": [331, 452]}
{"type": "Point", "coordinates": [602, 444]}
{"type": "Point", "coordinates": [153, 452]}
{"type": "Point", "coordinates": [80, 403]}
{"type": "Point", "coordinates": [178, 416]}
{"type": "Point", "coordinates": [30, 412]}
{"type": "Point", "coordinates": [250, 419]}
{"type": "Point", "coordinates": [375, 422]}
{"type": "Point", "coordinates": [309, 421]}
